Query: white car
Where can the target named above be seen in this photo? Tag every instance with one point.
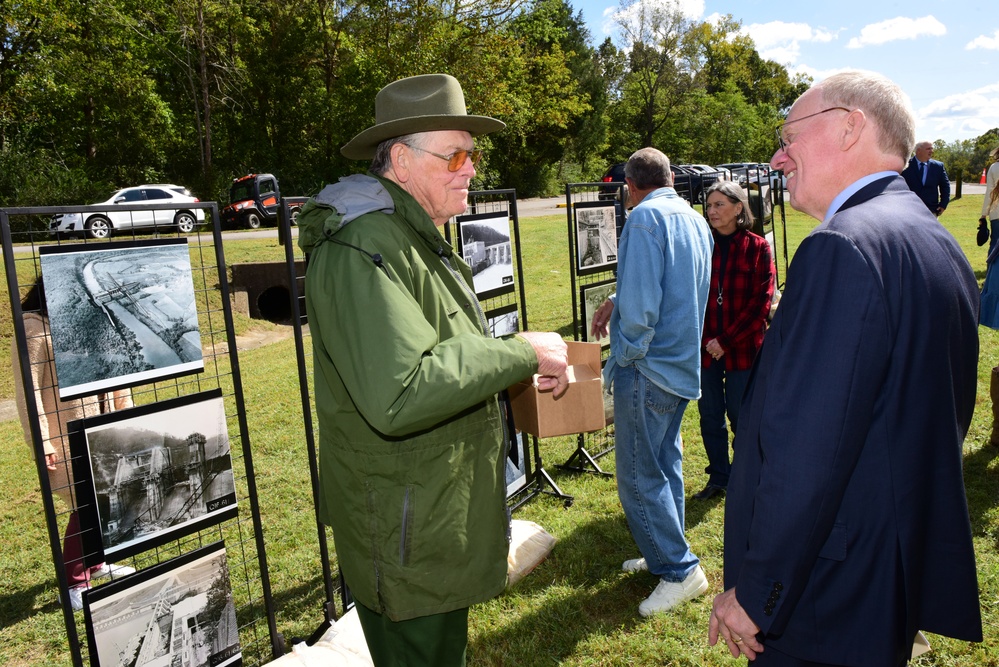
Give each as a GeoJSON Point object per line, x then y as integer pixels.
{"type": "Point", "coordinates": [100, 224]}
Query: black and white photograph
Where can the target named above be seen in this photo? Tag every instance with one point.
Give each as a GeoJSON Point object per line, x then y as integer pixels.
{"type": "Point", "coordinates": [179, 612]}
{"type": "Point", "coordinates": [591, 296]}
{"type": "Point", "coordinates": [503, 321]}
{"type": "Point", "coordinates": [486, 248]}
{"type": "Point", "coordinates": [152, 474]}
{"type": "Point", "coordinates": [596, 236]}
{"type": "Point", "coordinates": [516, 465]}
{"type": "Point", "coordinates": [121, 314]}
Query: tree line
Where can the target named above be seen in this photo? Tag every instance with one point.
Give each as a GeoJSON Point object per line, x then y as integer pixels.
{"type": "Point", "coordinates": [101, 94]}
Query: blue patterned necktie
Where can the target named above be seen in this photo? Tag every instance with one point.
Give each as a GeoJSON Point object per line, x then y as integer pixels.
{"type": "Point", "coordinates": [922, 173]}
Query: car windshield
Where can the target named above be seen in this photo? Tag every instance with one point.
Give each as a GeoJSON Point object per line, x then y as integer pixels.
{"type": "Point", "coordinates": [241, 191]}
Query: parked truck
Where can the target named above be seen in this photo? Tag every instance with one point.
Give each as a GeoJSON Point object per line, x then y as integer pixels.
{"type": "Point", "coordinates": [254, 201]}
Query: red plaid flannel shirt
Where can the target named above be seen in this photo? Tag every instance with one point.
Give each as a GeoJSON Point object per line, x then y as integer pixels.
{"type": "Point", "coordinates": [740, 321]}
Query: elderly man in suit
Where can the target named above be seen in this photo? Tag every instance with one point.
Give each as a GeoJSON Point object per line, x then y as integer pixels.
{"type": "Point", "coordinates": [928, 178]}
{"type": "Point", "coordinates": [846, 522]}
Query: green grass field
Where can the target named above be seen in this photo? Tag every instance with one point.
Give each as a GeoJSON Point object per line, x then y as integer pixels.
{"type": "Point", "coordinates": [576, 608]}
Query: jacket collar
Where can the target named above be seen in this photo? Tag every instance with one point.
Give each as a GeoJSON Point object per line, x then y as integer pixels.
{"type": "Point", "coordinates": [412, 214]}
{"type": "Point", "coordinates": [873, 189]}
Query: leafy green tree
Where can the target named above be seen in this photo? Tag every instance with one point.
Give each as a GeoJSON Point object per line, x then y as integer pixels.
{"type": "Point", "coordinates": [544, 102]}
{"type": "Point", "coordinates": [720, 127]}
{"type": "Point", "coordinates": [663, 62]}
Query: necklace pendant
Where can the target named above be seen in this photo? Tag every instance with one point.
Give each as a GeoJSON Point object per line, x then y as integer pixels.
{"type": "Point", "coordinates": [719, 299]}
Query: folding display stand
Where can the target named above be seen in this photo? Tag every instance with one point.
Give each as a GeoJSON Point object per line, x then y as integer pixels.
{"type": "Point", "coordinates": [595, 213]}
{"type": "Point", "coordinates": [158, 488]}
{"type": "Point", "coordinates": [500, 207]}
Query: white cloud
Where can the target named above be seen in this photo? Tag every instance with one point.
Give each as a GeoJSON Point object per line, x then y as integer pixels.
{"type": "Point", "coordinates": [607, 24]}
{"type": "Point", "coordinates": [967, 114]}
{"type": "Point", "coordinates": [896, 29]}
{"type": "Point", "coordinates": [781, 41]}
{"type": "Point", "coordinates": [984, 42]}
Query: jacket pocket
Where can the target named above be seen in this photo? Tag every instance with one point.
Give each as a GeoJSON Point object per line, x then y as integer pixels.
{"type": "Point", "coordinates": [835, 546]}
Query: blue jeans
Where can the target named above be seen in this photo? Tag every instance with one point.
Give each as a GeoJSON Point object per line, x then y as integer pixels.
{"type": "Point", "coordinates": [650, 472]}
{"type": "Point", "coordinates": [721, 393]}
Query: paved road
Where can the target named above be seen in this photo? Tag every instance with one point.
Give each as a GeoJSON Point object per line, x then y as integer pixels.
{"type": "Point", "coordinates": [526, 208]}
{"type": "Point", "coordinates": [538, 206]}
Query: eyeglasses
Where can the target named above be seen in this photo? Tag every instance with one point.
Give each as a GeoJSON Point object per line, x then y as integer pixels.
{"type": "Point", "coordinates": [780, 128]}
{"type": "Point", "coordinates": [456, 160]}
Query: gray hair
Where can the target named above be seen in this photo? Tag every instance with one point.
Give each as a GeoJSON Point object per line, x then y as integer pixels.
{"type": "Point", "coordinates": [649, 169]}
{"type": "Point", "coordinates": [382, 159]}
{"type": "Point", "coordinates": [735, 194]}
{"type": "Point", "coordinates": [882, 101]}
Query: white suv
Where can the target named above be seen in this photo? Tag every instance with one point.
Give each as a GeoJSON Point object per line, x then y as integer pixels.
{"type": "Point", "coordinates": [100, 224]}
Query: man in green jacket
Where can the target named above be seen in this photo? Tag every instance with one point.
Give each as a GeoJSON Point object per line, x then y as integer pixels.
{"type": "Point", "coordinates": [412, 439]}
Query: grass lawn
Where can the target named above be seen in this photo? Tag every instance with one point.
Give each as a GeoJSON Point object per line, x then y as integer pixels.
{"type": "Point", "coordinates": [576, 608]}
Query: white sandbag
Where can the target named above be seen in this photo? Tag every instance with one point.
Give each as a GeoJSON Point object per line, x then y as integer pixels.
{"type": "Point", "coordinates": [529, 545]}
{"type": "Point", "coordinates": [342, 645]}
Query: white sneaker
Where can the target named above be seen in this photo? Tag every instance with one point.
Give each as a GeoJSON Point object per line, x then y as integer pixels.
{"type": "Point", "coordinates": [75, 596]}
{"type": "Point", "coordinates": [635, 565]}
{"type": "Point", "coordinates": [111, 569]}
{"type": "Point", "coordinates": [669, 594]}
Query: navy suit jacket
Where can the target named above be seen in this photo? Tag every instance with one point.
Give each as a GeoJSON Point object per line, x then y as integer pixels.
{"type": "Point", "coordinates": [846, 522]}
{"type": "Point", "coordinates": [936, 192]}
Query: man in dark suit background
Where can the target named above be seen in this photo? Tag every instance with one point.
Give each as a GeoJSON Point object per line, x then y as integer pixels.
{"type": "Point", "coordinates": [928, 178]}
{"type": "Point", "coordinates": [846, 521]}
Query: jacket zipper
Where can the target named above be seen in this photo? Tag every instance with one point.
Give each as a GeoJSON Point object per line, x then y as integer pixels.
{"type": "Point", "coordinates": [404, 531]}
{"type": "Point", "coordinates": [485, 330]}
{"type": "Point", "coordinates": [468, 291]}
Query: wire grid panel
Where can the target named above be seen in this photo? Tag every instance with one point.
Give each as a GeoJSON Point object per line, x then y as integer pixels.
{"type": "Point", "coordinates": [25, 232]}
{"type": "Point", "coordinates": [337, 598]}
{"type": "Point", "coordinates": [590, 287]}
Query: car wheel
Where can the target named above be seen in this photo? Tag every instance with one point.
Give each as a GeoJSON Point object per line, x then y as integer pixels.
{"type": "Point", "coordinates": [294, 216]}
{"type": "Point", "coordinates": [98, 227]}
{"type": "Point", "coordinates": [253, 220]}
{"type": "Point", "coordinates": [185, 222]}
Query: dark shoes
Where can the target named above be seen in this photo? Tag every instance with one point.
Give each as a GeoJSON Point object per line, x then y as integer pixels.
{"type": "Point", "coordinates": [709, 491]}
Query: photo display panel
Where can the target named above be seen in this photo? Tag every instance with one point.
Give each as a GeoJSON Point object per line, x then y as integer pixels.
{"type": "Point", "coordinates": [596, 236]}
{"type": "Point", "coordinates": [179, 612]}
{"type": "Point", "coordinates": [591, 297]}
{"type": "Point", "coordinates": [484, 240]}
{"type": "Point", "coordinates": [152, 474]}
{"type": "Point", "coordinates": [121, 314]}
{"type": "Point", "coordinates": [503, 321]}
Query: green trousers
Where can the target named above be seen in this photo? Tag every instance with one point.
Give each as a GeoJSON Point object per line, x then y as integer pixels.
{"type": "Point", "coordinates": [438, 640]}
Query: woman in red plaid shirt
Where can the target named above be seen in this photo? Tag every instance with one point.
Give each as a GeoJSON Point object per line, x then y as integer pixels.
{"type": "Point", "coordinates": [742, 286]}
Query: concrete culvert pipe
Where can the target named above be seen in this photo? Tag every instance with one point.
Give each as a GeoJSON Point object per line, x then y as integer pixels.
{"type": "Point", "coordinates": [274, 304]}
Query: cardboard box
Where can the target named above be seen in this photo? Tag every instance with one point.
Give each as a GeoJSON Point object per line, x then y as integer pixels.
{"type": "Point", "coordinates": [579, 410]}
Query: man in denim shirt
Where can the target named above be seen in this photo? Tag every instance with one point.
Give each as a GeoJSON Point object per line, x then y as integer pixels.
{"type": "Point", "coordinates": [655, 322]}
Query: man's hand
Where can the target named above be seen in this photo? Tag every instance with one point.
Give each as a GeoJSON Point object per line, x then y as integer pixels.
{"type": "Point", "coordinates": [50, 461]}
{"type": "Point", "coordinates": [553, 360]}
{"type": "Point", "coordinates": [730, 621]}
{"type": "Point", "coordinates": [598, 328]}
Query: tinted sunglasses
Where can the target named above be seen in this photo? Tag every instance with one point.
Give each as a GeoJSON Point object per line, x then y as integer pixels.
{"type": "Point", "coordinates": [456, 160]}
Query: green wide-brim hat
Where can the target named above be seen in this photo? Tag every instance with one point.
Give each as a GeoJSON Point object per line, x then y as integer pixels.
{"type": "Point", "coordinates": [418, 104]}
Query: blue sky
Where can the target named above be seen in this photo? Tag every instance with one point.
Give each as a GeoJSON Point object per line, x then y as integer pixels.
{"type": "Point", "coordinates": [945, 55]}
